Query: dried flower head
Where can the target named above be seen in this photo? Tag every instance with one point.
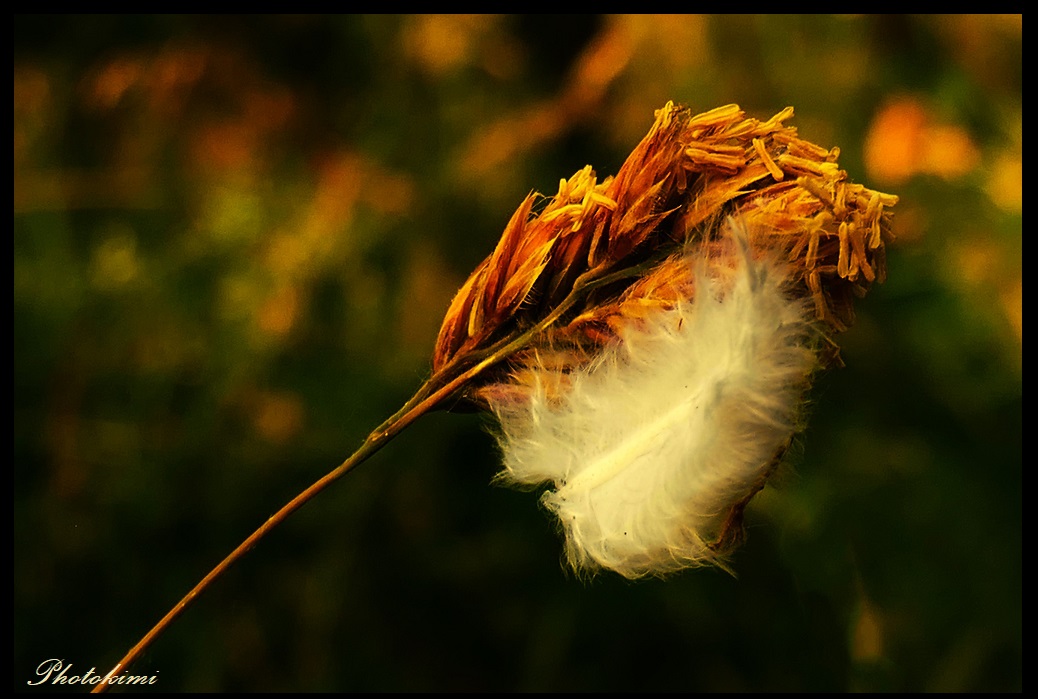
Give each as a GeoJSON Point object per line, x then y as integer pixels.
{"type": "Point", "coordinates": [646, 340]}
{"type": "Point", "coordinates": [660, 328]}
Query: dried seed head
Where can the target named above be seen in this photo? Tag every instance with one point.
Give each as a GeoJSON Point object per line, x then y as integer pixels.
{"type": "Point", "coordinates": [660, 330]}
{"type": "Point", "coordinates": [677, 187]}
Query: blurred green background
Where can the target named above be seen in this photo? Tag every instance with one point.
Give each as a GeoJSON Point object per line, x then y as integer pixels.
{"type": "Point", "coordinates": [234, 241]}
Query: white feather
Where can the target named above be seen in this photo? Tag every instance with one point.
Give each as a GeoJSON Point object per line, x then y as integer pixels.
{"type": "Point", "coordinates": [666, 430]}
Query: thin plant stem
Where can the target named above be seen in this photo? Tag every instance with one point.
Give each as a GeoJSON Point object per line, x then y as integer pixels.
{"type": "Point", "coordinates": [441, 386]}
{"type": "Point", "coordinates": [419, 404]}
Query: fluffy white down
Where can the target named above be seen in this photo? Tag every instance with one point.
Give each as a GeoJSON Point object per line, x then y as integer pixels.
{"type": "Point", "coordinates": [665, 431]}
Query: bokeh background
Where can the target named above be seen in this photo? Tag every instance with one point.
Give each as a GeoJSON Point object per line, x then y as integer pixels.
{"type": "Point", "coordinates": [234, 241]}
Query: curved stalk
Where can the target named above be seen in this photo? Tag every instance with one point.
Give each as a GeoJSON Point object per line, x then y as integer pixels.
{"type": "Point", "coordinates": [418, 405]}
